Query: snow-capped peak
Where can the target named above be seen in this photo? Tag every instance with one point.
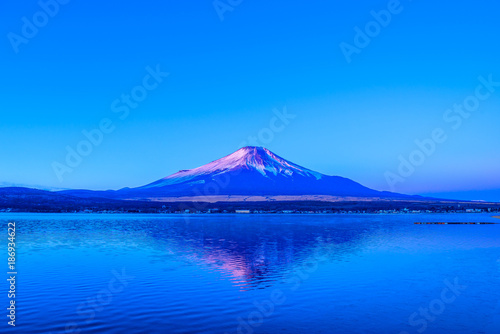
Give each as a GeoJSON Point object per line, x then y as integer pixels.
{"type": "Point", "coordinates": [258, 158]}
{"type": "Point", "coordinates": [250, 158]}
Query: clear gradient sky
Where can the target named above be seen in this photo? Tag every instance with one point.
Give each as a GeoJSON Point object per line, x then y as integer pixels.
{"type": "Point", "coordinates": [226, 77]}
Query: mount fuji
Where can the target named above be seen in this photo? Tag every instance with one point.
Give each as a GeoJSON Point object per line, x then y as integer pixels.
{"type": "Point", "coordinates": [250, 173]}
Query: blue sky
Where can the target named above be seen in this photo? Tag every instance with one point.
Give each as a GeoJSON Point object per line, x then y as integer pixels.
{"type": "Point", "coordinates": [353, 119]}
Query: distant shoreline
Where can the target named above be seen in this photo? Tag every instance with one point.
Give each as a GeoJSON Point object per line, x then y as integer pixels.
{"type": "Point", "coordinates": [245, 213]}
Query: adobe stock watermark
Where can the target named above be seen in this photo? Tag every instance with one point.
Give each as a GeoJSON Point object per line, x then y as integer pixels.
{"type": "Point", "coordinates": [363, 37]}
{"type": "Point", "coordinates": [266, 308]}
{"type": "Point", "coordinates": [277, 123]}
{"type": "Point", "coordinates": [223, 6]}
{"type": "Point", "coordinates": [493, 327]}
{"type": "Point", "coordinates": [31, 26]}
{"type": "Point", "coordinates": [121, 107]}
{"type": "Point", "coordinates": [425, 315]}
{"type": "Point", "coordinates": [454, 117]}
{"type": "Point", "coordinates": [89, 309]}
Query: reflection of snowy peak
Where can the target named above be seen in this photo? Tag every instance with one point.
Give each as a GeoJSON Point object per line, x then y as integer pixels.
{"type": "Point", "coordinates": [248, 158]}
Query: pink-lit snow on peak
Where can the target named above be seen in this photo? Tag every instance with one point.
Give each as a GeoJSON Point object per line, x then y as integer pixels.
{"type": "Point", "coordinates": [251, 158]}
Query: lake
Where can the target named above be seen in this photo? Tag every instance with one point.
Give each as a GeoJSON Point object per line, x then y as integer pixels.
{"type": "Point", "coordinates": [255, 274]}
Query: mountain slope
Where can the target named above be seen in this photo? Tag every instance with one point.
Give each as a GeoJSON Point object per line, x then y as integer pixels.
{"type": "Point", "coordinates": [250, 171]}
{"type": "Point", "coordinates": [247, 158]}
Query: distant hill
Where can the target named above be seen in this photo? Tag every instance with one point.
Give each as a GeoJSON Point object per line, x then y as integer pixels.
{"type": "Point", "coordinates": [33, 200]}
{"type": "Point", "coordinates": [252, 178]}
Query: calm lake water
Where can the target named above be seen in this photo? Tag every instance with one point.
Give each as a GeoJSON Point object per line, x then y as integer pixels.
{"type": "Point", "coordinates": [255, 274]}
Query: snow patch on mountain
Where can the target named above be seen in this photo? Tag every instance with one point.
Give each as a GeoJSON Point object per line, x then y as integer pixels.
{"type": "Point", "coordinates": [247, 158]}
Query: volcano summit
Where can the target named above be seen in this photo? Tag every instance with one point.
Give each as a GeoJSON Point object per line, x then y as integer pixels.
{"type": "Point", "coordinates": [249, 174]}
